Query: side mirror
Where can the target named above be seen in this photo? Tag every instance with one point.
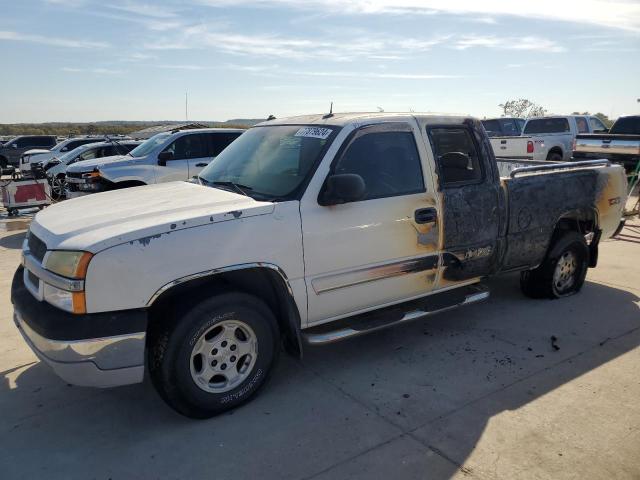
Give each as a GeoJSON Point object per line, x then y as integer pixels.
{"type": "Point", "coordinates": [64, 149]}
{"type": "Point", "coordinates": [343, 188]}
{"type": "Point", "coordinates": [163, 157]}
{"type": "Point", "coordinates": [14, 145]}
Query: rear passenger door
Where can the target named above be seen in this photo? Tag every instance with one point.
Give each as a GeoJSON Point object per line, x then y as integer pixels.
{"type": "Point", "coordinates": [472, 202]}
{"type": "Point", "coordinates": [186, 149]}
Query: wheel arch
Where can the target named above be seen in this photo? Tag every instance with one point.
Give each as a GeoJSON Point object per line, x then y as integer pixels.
{"type": "Point", "coordinates": [265, 281]}
{"type": "Point", "coordinates": [583, 221]}
{"type": "Point", "coordinates": [555, 149]}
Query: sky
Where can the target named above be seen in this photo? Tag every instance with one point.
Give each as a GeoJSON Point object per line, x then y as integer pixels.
{"type": "Point", "coordinates": [86, 60]}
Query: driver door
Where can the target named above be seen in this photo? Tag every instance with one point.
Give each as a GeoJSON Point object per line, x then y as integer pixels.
{"type": "Point", "coordinates": [383, 248]}
{"type": "Point", "coordinates": [184, 149]}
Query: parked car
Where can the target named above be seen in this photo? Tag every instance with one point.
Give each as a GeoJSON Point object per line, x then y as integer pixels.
{"type": "Point", "coordinates": [42, 155]}
{"type": "Point", "coordinates": [317, 228]}
{"type": "Point", "coordinates": [620, 145]}
{"type": "Point", "coordinates": [56, 167]}
{"type": "Point", "coordinates": [12, 150]}
{"type": "Point", "coordinates": [504, 126]}
{"type": "Point", "coordinates": [165, 157]}
{"type": "Point", "coordinates": [553, 136]}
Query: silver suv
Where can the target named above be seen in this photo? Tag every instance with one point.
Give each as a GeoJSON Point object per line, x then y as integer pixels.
{"type": "Point", "coordinates": [165, 157]}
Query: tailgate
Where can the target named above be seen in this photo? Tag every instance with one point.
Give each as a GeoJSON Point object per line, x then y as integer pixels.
{"type": "Point", "coordinates": [512, 147]}
{"type": "Point", "coordinates": [608, 144]}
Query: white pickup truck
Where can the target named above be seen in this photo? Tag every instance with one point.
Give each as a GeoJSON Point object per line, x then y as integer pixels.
{"type": "Point", "coordinates": [314, 228]}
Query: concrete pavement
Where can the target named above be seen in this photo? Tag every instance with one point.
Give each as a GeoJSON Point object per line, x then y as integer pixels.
{"type": "Point", "coordinates": [479, 392]}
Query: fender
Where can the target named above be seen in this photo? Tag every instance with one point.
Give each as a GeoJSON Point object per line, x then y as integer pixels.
{"type": "Point", "coordinates": [292, 318]}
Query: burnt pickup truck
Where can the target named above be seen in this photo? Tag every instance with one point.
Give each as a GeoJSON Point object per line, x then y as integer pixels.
{"type": "Point", "coordinates": [304, 230]}
{"type": "Point", "coordinates": [620, 145]}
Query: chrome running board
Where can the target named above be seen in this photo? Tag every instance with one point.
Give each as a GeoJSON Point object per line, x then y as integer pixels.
{"type": "Point", "coordinates": [395, 315]}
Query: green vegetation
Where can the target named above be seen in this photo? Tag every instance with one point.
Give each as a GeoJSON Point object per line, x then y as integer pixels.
{"type": "Point", "coordinates": [113, 128]}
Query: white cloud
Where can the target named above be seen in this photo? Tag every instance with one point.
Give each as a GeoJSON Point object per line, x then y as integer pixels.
{"type": "Point", "coordinates": [508, 43]}
{"type": "Point", "coordinates": [98, 71]}
{"type": "Point", "coordinates": [277, 46]}
{"type": "Point", "coordinates": [618, 14]}
{"type": "Point", "coordinates": [50, 41]}
{"type": "Point", "coordinates": [144, 9]}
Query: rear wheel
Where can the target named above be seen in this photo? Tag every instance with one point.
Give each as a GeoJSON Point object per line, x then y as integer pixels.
{"type": "Point", "coordinates": [563, 271]}
{"type": "Point", "coordinates": [216, 356]}
{"type": "Point", "coordinates": [554, 157]}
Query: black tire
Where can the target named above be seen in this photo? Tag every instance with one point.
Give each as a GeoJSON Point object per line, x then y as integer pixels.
{"type": "Point", "coordinates": [554, 157]}
{"type": "Point", "coordinates": [540, 282]}
{"type": "Point", "coordinates": [171, 354]}
{"type": "Point", "coordinates": [58, 187]}
{"type": "Point", "coordinates": [4, 163]}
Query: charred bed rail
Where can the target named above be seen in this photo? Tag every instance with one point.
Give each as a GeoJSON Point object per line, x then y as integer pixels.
{"type": "Point", "coordinates": [561, 166]}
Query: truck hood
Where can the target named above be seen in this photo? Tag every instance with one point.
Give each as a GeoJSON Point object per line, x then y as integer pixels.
{"type": "Point", "coordinates": [102, 220]}
{"type": "Point", "coordinates": [114, 161]}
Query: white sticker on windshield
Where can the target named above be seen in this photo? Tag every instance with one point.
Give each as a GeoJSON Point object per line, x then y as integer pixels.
{"type": "Point", "coordinates": [313, 132]}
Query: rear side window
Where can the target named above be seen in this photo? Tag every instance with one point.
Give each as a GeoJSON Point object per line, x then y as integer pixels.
{"type": "Point", "coordinates": [388, 162]}
{"type": "Point", "coordinates": [627, 126]}
{"type": "Point", "coordinates": [219, 141]}
{"type": "Point", "coordinates": [581, 125]}
{"type": "Point", "coordinates": [456, 156]}
{"type": "Point", "coordinates": [547, 125]}
{"type": "Point", "coordinates": [188, 146]}
{"type": "Point", "coordinates": [596, 124]}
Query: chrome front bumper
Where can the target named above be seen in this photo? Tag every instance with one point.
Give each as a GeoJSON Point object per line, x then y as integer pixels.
{"type": "Point", "coordinates": [95, 362]}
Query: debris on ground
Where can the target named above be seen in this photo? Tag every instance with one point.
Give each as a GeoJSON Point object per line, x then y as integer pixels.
{"type": "Point", "coordinates": [554, 344]}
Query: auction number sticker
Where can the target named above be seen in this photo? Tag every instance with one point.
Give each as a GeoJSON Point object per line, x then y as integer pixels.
{"type": "Point", "coordinates": [314, 132]}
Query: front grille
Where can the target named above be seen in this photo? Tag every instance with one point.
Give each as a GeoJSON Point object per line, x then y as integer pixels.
{"type": "Point", "coordinates": [37, 247]}
{"type": "Point", "coordinates": [74, 174]}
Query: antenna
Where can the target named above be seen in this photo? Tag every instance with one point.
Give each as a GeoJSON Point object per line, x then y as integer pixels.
{"type": "Point", "coordinates": [330, 114]}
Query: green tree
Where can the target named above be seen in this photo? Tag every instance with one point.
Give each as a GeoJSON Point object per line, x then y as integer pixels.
{"type": "Point", "coordinates": [522, 108]}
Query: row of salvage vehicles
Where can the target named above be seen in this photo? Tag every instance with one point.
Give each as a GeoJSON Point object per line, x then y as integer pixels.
{"type": "Point", "coordinates": [304, 230]}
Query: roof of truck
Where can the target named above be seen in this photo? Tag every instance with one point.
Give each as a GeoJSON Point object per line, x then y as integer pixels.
{"type": "Point", "coordinates": [342, 119]}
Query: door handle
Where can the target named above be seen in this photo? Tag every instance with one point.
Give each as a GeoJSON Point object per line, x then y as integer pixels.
{"type": "Point", "coordinates": [201, 164]}
{"type": "Point", "coordinates": [426, 215]}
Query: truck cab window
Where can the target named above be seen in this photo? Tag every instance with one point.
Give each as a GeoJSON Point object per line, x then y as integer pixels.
{"type": "Point", "coordinates": [388, 162]}
{"type": "Point", "coordinates": [187, 146]}
{"type": "Point", "coordinates": [456, 156]}
{"type": "Point", "coordinates": [581, 123]}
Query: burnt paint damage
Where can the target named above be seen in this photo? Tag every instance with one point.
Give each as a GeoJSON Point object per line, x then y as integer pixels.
{"type": "Point", "coordinates": [538, 202]}
{"type": "Point", "coordinates": [474, 218]}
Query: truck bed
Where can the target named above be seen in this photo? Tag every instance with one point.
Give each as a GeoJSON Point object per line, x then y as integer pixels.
{"type": "Point", "coordinates": [539, 194]}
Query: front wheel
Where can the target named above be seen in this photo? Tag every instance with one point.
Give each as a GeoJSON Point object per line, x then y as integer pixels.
{"type": "Point", "coordinates": [216, 356]}
{"type": "Point", "coordinates": [563, 271]}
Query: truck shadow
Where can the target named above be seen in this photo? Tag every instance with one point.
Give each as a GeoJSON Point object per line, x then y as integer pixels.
{"type": "Point", "coordinates": [13, 241]}
{"type": "Point", "coordinates": [339, 402]}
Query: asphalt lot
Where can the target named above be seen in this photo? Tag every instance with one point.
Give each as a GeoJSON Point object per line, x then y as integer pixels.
{"type": "Point", "coordinates": [478, 393]}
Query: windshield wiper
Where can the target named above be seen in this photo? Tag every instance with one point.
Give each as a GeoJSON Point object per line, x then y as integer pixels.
{"type": "Point", "coordinates": [238, 187]}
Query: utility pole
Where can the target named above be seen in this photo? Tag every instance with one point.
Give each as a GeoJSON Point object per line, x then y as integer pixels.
{"type": "Point", "coordinates": [186, 106]}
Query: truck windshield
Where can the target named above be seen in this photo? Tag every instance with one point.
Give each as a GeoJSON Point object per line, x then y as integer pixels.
{"type": "Point", "coordinates": [269, 162]}
{"type": "Point", "coordinates": [626, 126]}
{"type": "Point", "coordinates": [149, 145]}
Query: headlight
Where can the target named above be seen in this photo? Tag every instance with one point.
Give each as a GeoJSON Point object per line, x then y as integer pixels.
{"type": "Point", "coordinates": [68, 264]}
